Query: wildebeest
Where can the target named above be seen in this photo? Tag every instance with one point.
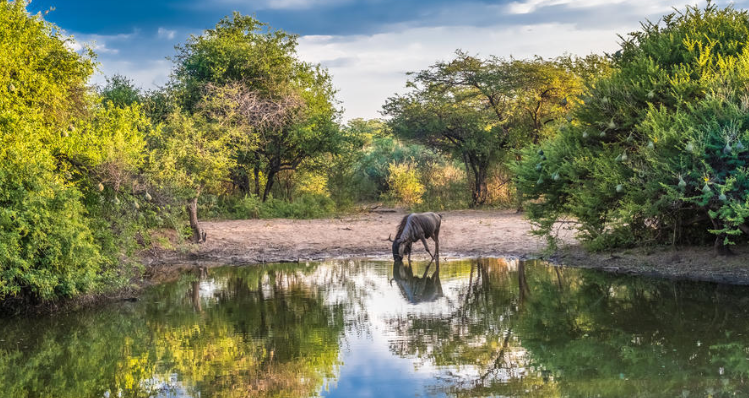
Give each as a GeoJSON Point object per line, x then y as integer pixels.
{"type": "Point", "coordinates": [415, 227]}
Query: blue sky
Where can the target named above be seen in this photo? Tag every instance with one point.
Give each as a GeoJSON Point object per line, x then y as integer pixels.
{"type": "Point", "coordinates": [368, 45]}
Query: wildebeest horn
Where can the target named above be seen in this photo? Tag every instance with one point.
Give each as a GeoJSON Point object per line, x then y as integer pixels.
{"type": "Point", "coordinates": [390, 239]}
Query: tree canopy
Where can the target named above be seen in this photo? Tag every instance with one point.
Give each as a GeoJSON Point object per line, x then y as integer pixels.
{"type": "Point", "coordinates": [247, 78]}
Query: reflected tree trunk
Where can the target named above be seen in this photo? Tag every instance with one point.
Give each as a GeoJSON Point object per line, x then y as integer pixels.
{"type": "Point", "coordinates": [522, 282]}
{"type": "Point", "coordinates": [196, 296]}
{"type": "Point", "coordinates": [261, 304]}
{"type": "Point", "coordinates": [559, 279]}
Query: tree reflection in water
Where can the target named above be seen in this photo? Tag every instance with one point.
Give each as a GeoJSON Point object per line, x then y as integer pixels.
{"type": "Point", "coordinates": [521, 328]}
{"type": "Point", "coordinates": [243, 332]}
{"type": "Point", "coordinates": [484, 327]}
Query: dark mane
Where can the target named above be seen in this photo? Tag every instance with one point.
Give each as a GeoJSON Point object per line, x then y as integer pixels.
{"type": "Point", "coordinates": [401, 227]}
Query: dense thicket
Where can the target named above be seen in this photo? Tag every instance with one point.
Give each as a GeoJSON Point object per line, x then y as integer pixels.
{"type": "Point", "coordinates": [657, 150]}
{"type": "Point", "coordinates": [64, 156]}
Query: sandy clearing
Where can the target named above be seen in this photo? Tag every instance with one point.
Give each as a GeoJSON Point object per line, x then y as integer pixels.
{"type": "Point", "coordinates": [465, 233]}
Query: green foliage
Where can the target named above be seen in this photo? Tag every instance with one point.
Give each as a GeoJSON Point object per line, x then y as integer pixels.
{"type": "Point", "coordinates": [239, 49]}
{"type": "Point", "coordinates": [38, 73]}
{"type": "Point", "coordinates": [405, 188]}
{"type": "Point", "coordinates": [46, 245]}
{"type": "Point", "coordinates": [246, 78]}
{"type": "Point", "coordinates": [656, 151]}
{"type": "Point", "coordinates": [70, 168]}
{"type": "Point", "coordinates": [120, 91]}
{"type": "Point", "coordinates": [303, 207]}
{"type": "Point", "coordinates": [190, 156]}
{"type": "Point", "coordinates": [363, 171]}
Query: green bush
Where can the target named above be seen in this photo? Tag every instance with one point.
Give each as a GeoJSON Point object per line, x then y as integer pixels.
{"type": "Point", "coordinates": [404, 183]}
{"type": "Point", "coordinates": [303, 207]}
{"type": "Point", "coordinates": [656, 153]}
{"type": "Point", "coordinates": [445, 187]}
{"type": "Point", "coordinates": [46, 247]}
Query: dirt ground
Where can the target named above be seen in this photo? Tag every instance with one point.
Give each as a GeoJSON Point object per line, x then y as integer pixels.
{"type": "Point", "coordinates": [466, 233]}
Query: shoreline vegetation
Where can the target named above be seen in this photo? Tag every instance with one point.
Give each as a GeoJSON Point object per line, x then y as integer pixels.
{"type": "Point", "coordinates": [102, 187]}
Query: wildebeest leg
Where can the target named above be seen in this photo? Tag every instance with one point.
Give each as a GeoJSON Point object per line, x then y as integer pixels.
{"type": "Point", "coordinates": [409, 258]}
{"type": "Point", "coordinates": [424, 241]}
{"type": "Point", "coordinates": [426, 270]}
{"type": "Point", "coordinates": [437, 250]}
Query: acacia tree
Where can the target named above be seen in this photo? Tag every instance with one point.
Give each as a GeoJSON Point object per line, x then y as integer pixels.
{"type": "Point", "coordinates": [481, 110]}
{"type": "Point", "coordinates": [246, 77]}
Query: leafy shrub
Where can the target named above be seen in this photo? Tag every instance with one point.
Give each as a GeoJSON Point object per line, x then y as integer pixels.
{"type": "Point", "coordinates": [69, 168]}
{"type": "Point", "coordinates": [405, 187]}
{"type": "Point", "coordinates": [657, 150]}
{"type": "Point", "coordinates": [46, 247]}
{"type": "Point", "coordinates": [303, 207]}
{"type": "Point", "coordinates": [246, 208]}
{"type": "Point", "coordinates": [445, 187]}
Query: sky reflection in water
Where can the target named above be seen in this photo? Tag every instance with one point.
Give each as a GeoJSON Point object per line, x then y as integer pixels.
{"type": "Point", "coordinates": [359, 328]}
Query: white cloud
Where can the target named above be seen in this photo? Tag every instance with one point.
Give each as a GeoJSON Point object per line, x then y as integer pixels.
{"type": "Point", "coordinates": [643, 6]}
{"type": "Point", "coordinates": [164, 33]}
{"type": "Point", "coordinates": [367, 69]}
{"type": "Point", "coordinates": [145, 74]}
{"type": "Point", "coordinates": [101, 44]}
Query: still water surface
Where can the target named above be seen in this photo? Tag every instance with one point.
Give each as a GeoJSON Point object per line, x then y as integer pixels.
{"type": "Point", "coordinates": [488, 327]}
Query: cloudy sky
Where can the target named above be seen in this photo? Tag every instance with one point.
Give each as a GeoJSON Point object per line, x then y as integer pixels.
{"type": "Point", "coordinates": [368, 45]}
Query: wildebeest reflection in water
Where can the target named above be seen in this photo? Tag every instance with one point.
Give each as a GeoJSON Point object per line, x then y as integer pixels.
{"type": "Point", "coordinates": [416, 289]}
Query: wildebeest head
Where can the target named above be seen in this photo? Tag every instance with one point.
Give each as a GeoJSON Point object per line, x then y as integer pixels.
{"type": "Point", "coordinates": [397, 255]}
{"type": "Point", "coordinates": [401, 248]}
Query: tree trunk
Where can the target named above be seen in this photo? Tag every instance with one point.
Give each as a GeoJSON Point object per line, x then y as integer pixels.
{"type": "Point", "coordinates": [477, 182]}
{"type": "Point", "coordinates": [522, 282]}
{"type": "Point", "coordinates": [196, 296]}
{"type": "Point", "coordinates": [256, 172]}
{"type": "Point", "coordinates": [198, 233]}
{"type": "Point", "coordinates": [268, 185]}
{"type": "Point", "coordinates": [518, 192]}
{"type": "Point", "coordinates": [479, 193]}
